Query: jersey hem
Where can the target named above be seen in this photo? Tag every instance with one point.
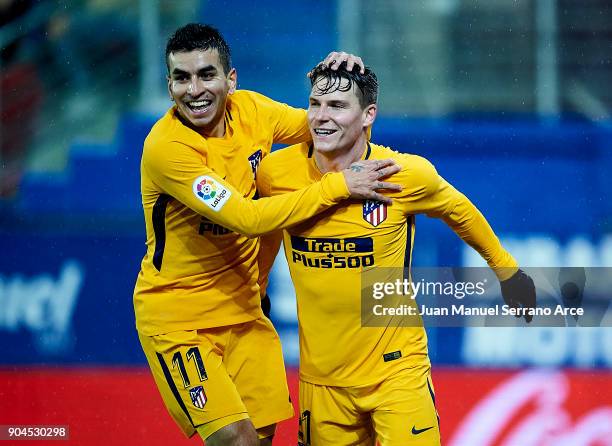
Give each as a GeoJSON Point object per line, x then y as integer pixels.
{"type": "Point", "coordinates": [361, 383]}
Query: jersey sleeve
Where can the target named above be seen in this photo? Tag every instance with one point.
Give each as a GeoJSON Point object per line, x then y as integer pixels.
{"type": "Point", "coordinates": [428, 193]}
{"type": "Point", "coordinates": [179, 172]}
{"type": "Point", "coordinates": [289, 124]}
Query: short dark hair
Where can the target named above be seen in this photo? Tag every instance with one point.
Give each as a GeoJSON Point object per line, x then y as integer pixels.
{"type": "Point", "coordinates": [195, 36]}
{"type": "Point", "coordinates": [367, 82]}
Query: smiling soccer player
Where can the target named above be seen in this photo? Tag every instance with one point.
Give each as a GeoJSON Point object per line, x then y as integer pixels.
{"type": "Point", "coordinates": [360, 384]}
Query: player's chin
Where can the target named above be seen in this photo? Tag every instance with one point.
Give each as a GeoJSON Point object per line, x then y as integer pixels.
{"type": "Point", "coordinates": [324, 144]}
{"type": "Point", "coordinates": [200, 122]}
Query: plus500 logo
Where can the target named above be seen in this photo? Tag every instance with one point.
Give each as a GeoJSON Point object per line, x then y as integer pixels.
{"type": "Point", "coordinates": [332, 253]}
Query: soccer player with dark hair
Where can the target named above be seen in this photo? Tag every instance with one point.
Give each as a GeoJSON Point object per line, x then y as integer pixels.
{"type": "Point", "coordinates": [361, 385]}
{"type": "Point", "coordinates": [216, 359]}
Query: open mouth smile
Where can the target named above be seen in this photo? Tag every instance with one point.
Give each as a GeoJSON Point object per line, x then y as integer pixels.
{"type": "Point", "coordinates": [324, 132]}
{"type": "Point", "coordinates": [198, 107]}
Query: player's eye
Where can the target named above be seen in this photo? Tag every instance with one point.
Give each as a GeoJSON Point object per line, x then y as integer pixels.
{"type": "Point", "coordinates": [208, 74]}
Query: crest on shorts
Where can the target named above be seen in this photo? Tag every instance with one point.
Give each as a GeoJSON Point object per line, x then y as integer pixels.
{"type": "Point", "coordinates": [198, 397]}
{"type": "Point", "coordinates": [374, 212]}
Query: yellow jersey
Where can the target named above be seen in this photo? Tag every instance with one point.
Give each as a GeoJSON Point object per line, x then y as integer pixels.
{"type": "Point", "coordinates": [328, 253]}
{"type": "Point", "coordinates": [199, 271]}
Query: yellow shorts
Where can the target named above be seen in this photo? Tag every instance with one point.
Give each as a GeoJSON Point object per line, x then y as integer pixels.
{"type": "Point", "coordinates": [211, 378]}
{"type": "Point", "coordinates": [398, 411]}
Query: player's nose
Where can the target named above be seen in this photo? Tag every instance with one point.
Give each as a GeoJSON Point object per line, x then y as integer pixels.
{"type": "Point", "coordinates": [195, 87]}
{"type": "Point", "coordinates": [321, 113]}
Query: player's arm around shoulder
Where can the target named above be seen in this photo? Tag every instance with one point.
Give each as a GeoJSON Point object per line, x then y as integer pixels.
{"type": "Point", "coordinates": [180, 172]}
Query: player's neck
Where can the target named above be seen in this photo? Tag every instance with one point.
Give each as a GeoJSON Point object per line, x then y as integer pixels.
{"type": "Point", "coordinates": [218, 131]}
{"type": "Point", "coordinates": [336, 161]}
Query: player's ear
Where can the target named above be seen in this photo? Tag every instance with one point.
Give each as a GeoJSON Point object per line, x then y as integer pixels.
{"type": "Point", "coordinates": [369, 115]}
{"type": "Point", "coordinates": [232, 79]}
{"type": "Point", "coordinates": [169, 84]}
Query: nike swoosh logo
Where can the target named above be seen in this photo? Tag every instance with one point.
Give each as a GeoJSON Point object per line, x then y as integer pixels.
{"type": "Point", "coordinates": [416, 431]}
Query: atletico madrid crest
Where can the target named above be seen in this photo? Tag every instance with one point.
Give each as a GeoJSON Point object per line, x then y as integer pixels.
{"type": "Point", "coordinates": [255, 159]}
{"type": "Point", "coordinates": [198, 397]}
{"type": "Point", "coordinates": [374, 212]}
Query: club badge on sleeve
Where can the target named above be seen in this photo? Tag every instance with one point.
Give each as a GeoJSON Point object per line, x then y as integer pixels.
{"type": "Point", "coordinates": [211, 192]}
{"type": "Point", "coordinates": [374, 212]}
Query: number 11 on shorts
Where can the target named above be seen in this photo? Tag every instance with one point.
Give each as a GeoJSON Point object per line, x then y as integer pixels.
{"type": "Point", "coordinates": [192, 354]}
